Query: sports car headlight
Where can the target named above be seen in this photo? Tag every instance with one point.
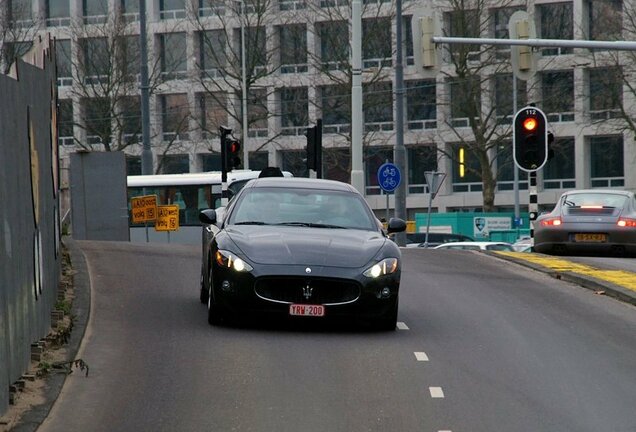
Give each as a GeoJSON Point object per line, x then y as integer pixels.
{"type": "Point", "coordinates": [384, 267]}
{"type": "Point", "coordinates": [228, 259]}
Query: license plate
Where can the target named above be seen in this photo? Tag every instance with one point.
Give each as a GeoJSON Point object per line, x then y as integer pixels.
{"type": "Point", "coordinates": [306, 310]}
{"type": "Point", "coordinates": [590, 238]}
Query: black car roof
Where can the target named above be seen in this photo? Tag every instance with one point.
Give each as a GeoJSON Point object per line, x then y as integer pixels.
{"type": "Point", "coordinates": [300, 182]}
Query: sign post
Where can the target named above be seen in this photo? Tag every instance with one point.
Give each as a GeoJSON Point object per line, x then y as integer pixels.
{"type": "Point", "coordinates": [388, 179]}
{"type": "Point", "coordinates": [144, 210]}
{"type": "Point", "coordinates": [434, 180]}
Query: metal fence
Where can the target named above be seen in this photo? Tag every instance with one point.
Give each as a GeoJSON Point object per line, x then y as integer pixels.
{"type": "Point", "coordinates": [29, 215]}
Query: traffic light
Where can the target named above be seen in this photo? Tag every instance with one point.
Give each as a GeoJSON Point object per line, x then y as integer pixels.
{"type": "Point", "coordinates": [230, 150]}
{"type": "Point", "coordinates": [530, 139]}
{"type": "Point", "coordinates": [314, 148]}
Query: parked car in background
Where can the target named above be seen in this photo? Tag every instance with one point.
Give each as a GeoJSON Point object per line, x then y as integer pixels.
{"type": "Point", "coordinates": [434, 239]}
{"type": "Point", "coordinates": [301, 248]}
{"type": "Point", "coordinates": [479, 246]}
{"type": "Point", "coordinates": [597, 221]}
{"type": "Point", "coordinates": [523, 244]}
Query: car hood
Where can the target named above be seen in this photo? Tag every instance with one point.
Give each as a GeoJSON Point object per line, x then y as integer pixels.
{"type": "Point", "coordinates": [306, 246]}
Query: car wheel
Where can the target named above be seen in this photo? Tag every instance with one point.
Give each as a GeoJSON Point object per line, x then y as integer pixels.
{"type": "Point", "coordinates": [388, 321]}
{"type": "Point", "coordinates": [216, 314]}
{"type": "Point", "coordinates": [203, 296]}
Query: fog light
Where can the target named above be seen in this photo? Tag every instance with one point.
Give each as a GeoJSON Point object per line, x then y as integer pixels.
{"type": "Point", "coordinates": [385, 293]}
{"type": "Point", "coordinates": [225, 285]}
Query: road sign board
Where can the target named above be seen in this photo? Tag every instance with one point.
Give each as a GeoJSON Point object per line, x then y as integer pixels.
{"type": "Point", "coordinates": [144, 208]}
{"type": "Point", "coordinates": [434, 180]}
{"type": "Point", "coordinates": [167, 218]}
{"type": "Point", "coordinates": [388, 177]}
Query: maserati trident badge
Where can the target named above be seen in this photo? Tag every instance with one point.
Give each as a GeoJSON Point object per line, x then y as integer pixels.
{"type": "Point", "coordinates": [307, 291]}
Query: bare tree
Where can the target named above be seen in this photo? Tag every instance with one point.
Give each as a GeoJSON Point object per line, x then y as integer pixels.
{"type": "Point", "coordinates": [18, 29]}
{"type": "Point", "coordinates": [105, 70]}
{"type": "Point", "coordinates": [479, 124]}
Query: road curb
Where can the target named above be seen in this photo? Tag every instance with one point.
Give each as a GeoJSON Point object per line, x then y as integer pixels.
{"type": "Point", "coordinates": [32, 419]}
{"type": "Point", "coordinates": [599, 286]}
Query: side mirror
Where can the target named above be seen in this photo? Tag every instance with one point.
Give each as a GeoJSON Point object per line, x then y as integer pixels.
{"type": "Point", "coordinates": [207, 216]}
{"type": "Point", "coordinates": [396, 225]}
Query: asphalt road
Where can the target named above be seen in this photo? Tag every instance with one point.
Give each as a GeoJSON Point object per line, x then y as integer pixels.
{"type": "Point", "coordinates": [482, 345]}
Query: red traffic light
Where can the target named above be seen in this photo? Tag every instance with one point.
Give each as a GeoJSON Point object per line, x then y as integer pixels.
{"type": "Point", "coordinates": [234, 147]}
{"type": "Point", "coordinates": [530, 124]}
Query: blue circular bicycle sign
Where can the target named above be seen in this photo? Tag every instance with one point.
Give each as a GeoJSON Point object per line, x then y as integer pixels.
{"type": "Point", "coordinates": [388, 177]}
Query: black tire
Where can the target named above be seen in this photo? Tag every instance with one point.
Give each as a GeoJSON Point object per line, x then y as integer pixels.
{"type": "Point", "coordinates": [203, 295]}
{"type": "Point", "coordinates": [388, 321]}
{"type": "Point", "coordinates": [216, 314]}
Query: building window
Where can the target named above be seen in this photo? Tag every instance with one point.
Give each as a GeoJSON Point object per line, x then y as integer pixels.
{"type": "Point", "coordinates": [64, 63]}
{"type": "Point", "coordinates": [605, 19]}
{"type": "Point", "coordinates": [97, 121]}
{"type": "Point", "coordinates": [336, 109]}
{"type": "Point", "coordinates": [175, 114]}
{"type": "Point", "coordinates": [257, 113]}
{"type": "Point", "coordinates": [294, 110]}
{"type": "Point", "coordinates": [174, 62]}
{"type": "Point", "coordinates": [131, 119]}
{"type": "Point", "coordinates": [377, 102]}
{"type": "Point", "coordinates": [211, 8]}
{"type": "Point", "coordinates": [465, 103]}
{"type": "Point", "coordinates": [407, 40]}
{"type": "Point", "coordinates": [172, 9]}
{"type": "Point", "coordinates": [213, 108]}
{"type": "Point", "coordinates": [256, 54]}
{"type": "Point", "coordinates": [259, 160]}
{"type": "Point", "coordinates": [504, 104]}
{"type": "Point", "coordinates": [555, 22]}
{"type": "Point", "coordinates": [466, 169]}
{"type": "Point", "coordinates": [212, 46]}
{"type": "Point", "coordinates": [129, 61]}
{"type": "Point", "coordinates": [211, 162]}
{"type": "Point", "coordinates": [295, 162]}
{"type": "Point", "coordinates": [557, 89]}
{"type": "Point", "coordinates": [20, 13]}
{"type": "Point", "coordinates": [421, 158]}
{"type": "Point", "coordinates": [174, 164]}
{"type": "Point", "coordinates": [606, 158]}
{"type": "Point", "coordinates": [97, 60]}
{"type": "Point", "coordinates": [462, 23]}
{"type": "Point", "coordinates": [65, 122]}
{"type": "Point", "coordinates": [336, 164]}
{"type": "Point", "coordinates": [334, 54]}
{"type": "Point", "coordinates": [133, 165]}
{"type": "Point", "coordinates": [58, 13]}
{"type": "Point", "coordinates": [95, 11]}
{"type": "Point", "coordinates": [606, 93]}
{"type": "Point", "coordinates": [421, 104]}
{"type": "Point", "coordinates": [293, 48]}
{"type": "Point", "coordinates": [559, 172]}
{"type": "Point", "coordinates": [505, 168]}
{"type": "Point", "coordinates": [500, 17]}
{"type": "Point", "coordinates": [130, 10]}
{"type": "Point", "coordinates": [376, 43]}
{"type": "Point", "coordinates": [374, 157]}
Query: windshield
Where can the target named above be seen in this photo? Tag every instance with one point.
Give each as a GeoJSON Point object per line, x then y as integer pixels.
{"type": "Point", "coordinates": [594, 200]}
{"type": "Point", "coordinates": [319, 208]}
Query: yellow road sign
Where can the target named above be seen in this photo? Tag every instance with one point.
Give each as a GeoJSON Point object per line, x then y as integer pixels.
{"type": "Point", "coordinates": [144, 208]}
{"type": "Point", "coordinates": [167, 218]}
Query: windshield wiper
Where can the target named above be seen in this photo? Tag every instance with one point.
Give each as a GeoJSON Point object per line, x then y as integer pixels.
{"type": "Point", "coordinates": [251, 223]}
{"type": "Point", "coordinates": [311, 225]}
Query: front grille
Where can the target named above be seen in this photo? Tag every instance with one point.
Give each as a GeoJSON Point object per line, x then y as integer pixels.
{"type": "Point", "coordinates": [307, 290]}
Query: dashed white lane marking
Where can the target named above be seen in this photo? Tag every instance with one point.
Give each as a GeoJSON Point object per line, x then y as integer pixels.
{"type": "Point", "coordinates": [421, 356]}
{"type": "Point", "coordinates": [402, 326]}
{"type": "Point", "coordinates": [436, 392]}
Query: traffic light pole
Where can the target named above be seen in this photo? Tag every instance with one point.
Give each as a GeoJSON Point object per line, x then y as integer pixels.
{"type": "Point", "coordinates": [533, 201]}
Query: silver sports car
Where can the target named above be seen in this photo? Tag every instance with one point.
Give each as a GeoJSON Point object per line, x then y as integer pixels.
{"type": "Point", "coordinates": [589, 221]}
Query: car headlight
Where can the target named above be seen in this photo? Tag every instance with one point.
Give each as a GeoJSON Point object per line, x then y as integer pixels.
{"type": "Point", "coordinates": [384, 267]}
{"type": "Point", "coordinates": [228, 259]}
